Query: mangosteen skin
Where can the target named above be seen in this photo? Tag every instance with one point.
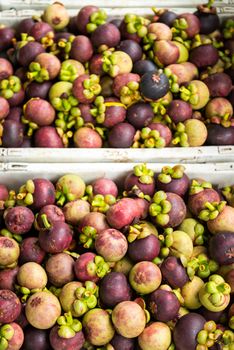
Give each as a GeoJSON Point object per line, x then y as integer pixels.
{"type": "Point", "coordinates": [186, 330]}
{"type": "Point", "coordinates": [173, 272]}
{"type": "Point", "coordinates": [143, 66]}
{"type": "Point", "coordinates": [140, 114]}
{"type": "Point", "coordinates": [221, 248]}
{"type": "Point", "coordinates": [218, 135]}
{"type": "Point", "coordinates": [114, 288]}
{"type": "Point", "coordinates": [164, 305]}
{"type": "Point", "coordinates": [144, 249]}
{"type": "Point", "coordinates": [154, 85]}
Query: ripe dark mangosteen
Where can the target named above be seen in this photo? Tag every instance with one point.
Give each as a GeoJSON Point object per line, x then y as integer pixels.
{"type": "Point", "coordinates": [154, 85]}
{"type": "Point", "coordinates": [114, 288]}
{"type": "Point", "coordinates": [27, 53]}
{"type": "Point", "coordinates": [221, 248]}
{"type": "Point", "coordinates": [144, 249]}
{"type": "Point", "coordinates": [167, 17]}
{"type": "Point", "coordinates": [179, 111]}
{"type": "Point", "coordinates": [219, 84]}
{"type": "Point", "coordinates": [13, 134]}
{"type": "Point", "coordinates": [164, 305]}
{"type": "Point", "coordinates": [209, 20]}
{"type": "Point", "coordinates": [204, 55]}
{"type": "Point", "coordinates": [106, 35]}
{"type": "Point", "coordinates": [173, 180]}
{"type": "Point", "coordinates": [40, 90]}
{"type": "Point", "coordinates": [141, 178]}
{"type": "Point", "coordinates": [30, 250]}
{"type": "Point", "coordinates": [174, 272]}
{"type": "Point", "coordinates": [36, 339]}
{"type": "Point", "coordinates": [140, 114]}
{"type": "Point", "coordinates": [18, 220]}
{"type": "Point", "coordinates": [121, 343]}
{"type": "Point", "coordinates": [6, 36]}
{"type": "Point", "coordinates": [121, 136]}
{"type": "Point", "coordinates": [219, 135]}
{"type": "Point", "coordinates": [143, 66]}
{"type": "Point", "coordinates": [186, 331]}
{"type": "Point", "coordinates": [132, 48]}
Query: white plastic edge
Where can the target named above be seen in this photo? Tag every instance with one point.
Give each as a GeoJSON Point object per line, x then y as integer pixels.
{"type": "Point", "coordinates": [104, 155]}
{"type": "Point", "coordinates": [15, 174]}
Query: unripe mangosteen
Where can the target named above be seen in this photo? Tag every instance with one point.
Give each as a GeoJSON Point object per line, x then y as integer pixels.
{"type": "Point", "coordinates": [67, 296]}
{"type": "Point", "coordinates": [86, 137]}
{"type": "Point", "coordinates": [220, 135]}
{"type": "Point", "coordinates": [85, 269]}
{"type": "Point", "coordinates": [219, 110]}
{"type": "Point", "coordinates": [223, 222]}
{"type": "Point", "coordinates": [111, 244]}
{"type": "Point", "coordinates": [6, 36]}
{"type": "Point", "coordinates": [98, 327]}
{"type": "Point", "coordinates": [81, 49]}
{"type": "Point", "coordinates": [104, 186]}
{"type": "Point", "coordinates": [140, 114]}
{"type": "Point", "coordinates": [32, 276]}
{"type": "Point", "coordinates": [19, 220]}
{"type": "Point", "coordinates": [106, 34]}
{"type": "Point", "coordinates": [179, 111]}
{"type": "Point", "coordinates": [121, 136]}
{"type": "Point", "coordinates": [197, 201]}
{"type": "Point", "coordinates": [114, 288]}
{"type": "Point", "coordinates": [129, 319]}
{"type": "Point", "coordinates": [165, 52]}
{"type": "Point", "coordinates": [190, 293]}
{"type": "Point", "coordinates": [221, 248]}
{"type": "Point", "coordinates": [50, 63]}
{"type": "Point", "coordinates": [13, 134]}
{"type": "Point", "coordinates": [143, 66]}
{"type": "Point", "coordinates": [39, 111]}
{"type": "Point", "coordinates": [219, 84]}
{"type": "Point", "coordinates": [30, 250]}
{"type": "Point", "coordinates": [154, 85]}
{"type": "Point", "coordinates": [56, 239]}
{"type": "Point", "coordinates": [204, 56]}
{"type": "Point", "coordinates": [157, 335]}
{"type": "Point", "coordinates": [59, 269]}
{"type": "Point", "coordinates": [36, 339]}
{"type": "Point", "coordinates": [75, 211]}
{"type": "Point", "coordinates": [132, 48]}
{"type": "Point", "coordinates": [122, 213]}
{"type": "Point", "coordinates": [47, 137]}
{"type": "Point", "coordinates": [28, 53]}
{"type": "Point", "coordinates": [186, 331]}
{"type": "Point", "coordinates": [160, 31]}
{"type": "Point", "coordinates": [184, 72]}
{"type": "Point", "coordinates": [42, 310]}
{"type": "Point", "coordinates": [144, 249]}
{"type": "Point", "coordinates": [10, 306]}
{"type": "Point", "coordinates": [145, 277]}
{"type": "Point", "coordinates": [174, 272]}
{"type": "Point", "coordinates": [4, 108]}
{"type": "Point", "coordinates": [95, 220]}
{"type": "Point", "coordinates": [6, 68]}
{"type": "Point", "coordinates": [9, 251]}
{"type": "Point", "coordinates": [56, 15]}
{"type": "Point", "coordinates": [8, 278]}
{"type": "Point", "coordinates": [192, 24]}
{"type": "Point", "coordinates": [164, 305]}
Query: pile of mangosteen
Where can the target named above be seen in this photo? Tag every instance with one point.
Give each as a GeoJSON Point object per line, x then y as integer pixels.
{"type": "Point", "coordinates": [143, 264]}
{"type": "Point", "coordinates": [91, 81]}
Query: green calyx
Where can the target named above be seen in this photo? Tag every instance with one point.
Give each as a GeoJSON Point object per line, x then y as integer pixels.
{"type": "Point", "coordinates": [195, 230]}
{"type": "Point", "coordinates": [68, 326]}
{"type": "Point", "coordinates": [102, 203]}
{"type": "Point", "coordinates": [231, 322]}
{"type": "Point", "coordinates": [228, 193]}
{"type": "Point", "coordinates": [25, 39]}
{"type": "Point", "coordinates": [145, 175]}
{"type": "Point", "coordinates": [198, 186]}
{"type": "Point", "coordinates": [63, 47]}
{"type": "Point", "coordinates": [179, 29]}
{"type": "Point", "coordinates": [228, 30]}
{"type": "Point", "coordinates": [199, 40]}
{"type": "Point", "coordinates": [64, 135]}
{"type": "Point", "coordinates": [91, 86]}
{"type": "Point", "coordinates": [6, 334]}
{"type": "Point", "coordinates": [99, 109]}
{"type": "Point", "coordinates": [168, 173]}
{"type": "Point", "coordinates": [151, 138]}
{"type": "Point", "coordinates": [25, 195]}
{"type": "Point", "coordinates": [135, 192]}
{"type": "Point", "coordinates": [141, 302]}
{"type": "Point", "coordinates": [160, 106]}
{"type": "Point", "coordinates": [10, 86]}
{"type": "Point", "coordinates": [227, 59]}
{"type": "Point", "coordinates": [185, 42]}
{"type": "Point", "coordinates": [11, 200]}
{"type": "Point", "coordinates": [141, 230]}
{"type": "Point", "coordinates": [37, 73]}
{"type": "Point", "coordinates": [68, 115]}
{"type": "Point", "coordinates": [45, 221]}
{"type": "Point", "coordinates": [160, 208]}
{"type": "Point", "coordinates": [95, 20]}
{"type": "Point", "coordinates": [86, 298]}
{"type": "Point", "coordinates": [136, 25]}
{"type": "Point", "coordinates": [148, 41]}
{"type": "Point", "coordinates": [215, 294]}
{"type": "Point", "coordinates": [190, 94]}
{"type": "Point", "coordinates": [201, 266]}
{"type": "Point", "coordinates": [68, 72]}
{"type": "Point", "coordinates": [6, 233]}
{"type": "Point", "coordinates": [208, 336]}
{"type": "Point", "coordinates": [48, 40]}
{"type": "Point", "coordinates": [180, 136]}
{"type": "Point", "coordinates": [25, 292]}
{"type": "Point", "coordinates": [54, 290]}
{"type": "Point", "coordinates": [173, 80]}
{"type": "Point", "coordinates": [130, 93]}
{"type": "Point", "coordinates": [211, 211]}
{"type": "Point", "coordinates": [99, 267]}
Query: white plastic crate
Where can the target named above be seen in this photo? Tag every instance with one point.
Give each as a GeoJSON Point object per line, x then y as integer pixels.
{"type": "Point", "coordinates": [15, 10]}
{"type": "Point", "coordinates": [15, 174]}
